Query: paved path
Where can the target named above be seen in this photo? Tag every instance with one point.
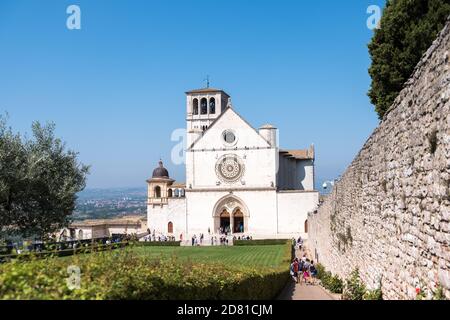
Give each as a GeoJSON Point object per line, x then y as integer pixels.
{"type": "Point", "coordinates": [303, 291]}
{"type": "Point", "coordinates": [295, 291]}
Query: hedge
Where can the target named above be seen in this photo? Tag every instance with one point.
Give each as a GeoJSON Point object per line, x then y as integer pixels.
{"type": "Point", "coordinates": [84, 249]}
{"type": "Point", "coordinates": [123, 274]}
{"type": "Point", "coordinates": [62, 253]}
{"type": "Point", "coordinates": [260, 242]}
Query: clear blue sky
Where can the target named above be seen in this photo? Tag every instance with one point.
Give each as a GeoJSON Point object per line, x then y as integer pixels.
{"type": "Point", "coordinates": [115, 88]}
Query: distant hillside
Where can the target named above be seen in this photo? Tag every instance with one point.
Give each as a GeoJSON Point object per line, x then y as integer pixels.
{"type": "Point", "coordinates": [110, 203]}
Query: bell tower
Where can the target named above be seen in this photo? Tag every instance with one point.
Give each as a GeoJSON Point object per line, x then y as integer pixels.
{"type": "Point", "coordinates": [203, 107]}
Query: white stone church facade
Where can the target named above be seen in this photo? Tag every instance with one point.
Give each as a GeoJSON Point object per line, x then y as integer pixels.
{"type": "Point", "coordinates": [237, 178]}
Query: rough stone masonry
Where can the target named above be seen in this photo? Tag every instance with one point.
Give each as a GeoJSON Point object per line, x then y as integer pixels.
{"type": "Point", "coordinates": [389, 214]}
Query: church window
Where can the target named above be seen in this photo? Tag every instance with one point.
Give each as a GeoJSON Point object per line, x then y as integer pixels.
{"type": "Point", "coordinates": [212, 106]}
{"type": "Point", "coordinates": [229, 137]}
{"type": "Point", "coordinates": [195, 106]}
{"type": "Point", "coordinates": [229, 168]}
{"type": "Point", "coordinates": [170, 227]}
{"type": "Point", "coordinates": [204, 106]}
{"type": "Point", "coordinates": [157, 192]}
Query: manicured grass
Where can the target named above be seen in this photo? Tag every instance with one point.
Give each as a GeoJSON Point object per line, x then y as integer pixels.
{"type": "Point", "coordinates": [268, 256]}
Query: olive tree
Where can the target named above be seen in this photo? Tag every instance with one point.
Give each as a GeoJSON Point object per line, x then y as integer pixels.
{"type": "Point", "coordinates": [39, 181]}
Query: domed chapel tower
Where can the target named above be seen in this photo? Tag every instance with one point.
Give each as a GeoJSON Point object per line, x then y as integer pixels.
{"type": "Point", "coordinates": [158, 186]}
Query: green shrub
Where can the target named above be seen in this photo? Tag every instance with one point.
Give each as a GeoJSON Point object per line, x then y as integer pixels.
{"type": "Point", "coordinates": [123, 274]}
{"type": "Point", "coordinates": [373, 295]}
{"type": "Point", "coordinates": [335, 284]}
{"type": "Point", "coordinates": [329, 281]}
{"type": "Point", "coordinates": [267, 242]}
{"type": "Point", "coordinates": [439, 294]}
{"type": "Point", "coordinates": [354, 288]}
{"type": "Point", "coordinates": [332, 282]}
{"type": "Point", "coordinates": [320, 270]}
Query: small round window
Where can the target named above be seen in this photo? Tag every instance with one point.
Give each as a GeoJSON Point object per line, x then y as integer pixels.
{"type": "Point", "coordinates": [229, 137]}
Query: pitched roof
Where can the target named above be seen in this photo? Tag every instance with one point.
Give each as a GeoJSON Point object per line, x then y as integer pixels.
{"type": "Point", "coordinates": [217, 119]}
{"type": "Point", "coordinates": [304, 154]}
{"type": "Point", "coordinates": [205, 90]}
{"type": "Point", "coordinates": [179, 185]}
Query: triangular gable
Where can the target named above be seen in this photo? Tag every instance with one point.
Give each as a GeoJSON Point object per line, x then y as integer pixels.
{"type": "Point", "coordinates": [246, 135]}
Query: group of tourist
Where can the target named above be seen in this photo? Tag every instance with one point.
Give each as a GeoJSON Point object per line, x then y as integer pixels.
{"type": "Point", "coordinates": [224, 230]}
{"type": "Point", "coordinates": [197, 241]}
{"type": "Point", "coordinates": [303, 270]}
{"type": "Point", "coordinates": [160, 238]}
{"type": "Point", "coordinates": [242, 238]}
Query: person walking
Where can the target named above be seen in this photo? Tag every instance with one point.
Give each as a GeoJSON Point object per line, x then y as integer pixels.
{"type": "Point", "coordinates": [313, 272]}
{"type": "Point", "coordinates": [296, 270]}
{"type": "Point", "coordinates": [292, 271]}
{"type": "Point", "coordinates": [306, 275]}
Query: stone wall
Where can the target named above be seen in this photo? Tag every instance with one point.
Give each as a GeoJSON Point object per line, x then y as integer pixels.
{"type": "Point", "coordinates": [389, 214]}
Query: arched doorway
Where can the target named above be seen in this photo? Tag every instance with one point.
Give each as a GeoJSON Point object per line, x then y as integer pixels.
{"type": "Point", "coordinates": [238, 221]}
{"type": "Point", "coordinates": [225, 221]}
{"type": "Point", "coordinates": [170, 227]}
{"type": "Point", "coordinates": [169, 193]}
{"type": "Point", "coordinates": [231, 212]}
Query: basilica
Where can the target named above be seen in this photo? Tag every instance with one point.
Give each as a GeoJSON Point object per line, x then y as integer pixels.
{"type": "Point", "coordinates": [238, 179]}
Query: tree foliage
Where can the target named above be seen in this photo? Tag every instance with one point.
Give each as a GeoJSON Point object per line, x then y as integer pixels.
{"type": "Point", "coordinates": [39, 180]}
{"type": "Point", "coordinates": [407, 30]}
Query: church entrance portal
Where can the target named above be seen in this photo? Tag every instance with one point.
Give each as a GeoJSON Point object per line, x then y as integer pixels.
{"type": "Point", "coordinates": [230, 216]}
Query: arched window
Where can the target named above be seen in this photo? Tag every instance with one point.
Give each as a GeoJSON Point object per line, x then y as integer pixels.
{"type": "Point", "coordinates": [306, 226]}
{"type": "Point", "coordinates": [80, 235]}
{"type": "Point", "coordinates": [157, 192]}
{"type": "Point", "coordinates": [204, 106]}
{"type": "Point", "coordinates": [195, 106]}
{"type": "Point", "coordinates": [170, 227]}
{"type": "Point", "coordinates": [169, 193]}
{"type": "Point", "coordinates": [212, 106]}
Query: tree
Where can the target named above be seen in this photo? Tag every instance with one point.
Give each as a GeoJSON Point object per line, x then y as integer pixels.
{"type": "Point", "coordinates": [39, 181]}
{"type": "Point", "coordinates": [407, 30]}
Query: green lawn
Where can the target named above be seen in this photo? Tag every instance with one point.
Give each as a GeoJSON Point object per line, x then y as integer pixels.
{"type": "Point", "coordinates": [254, 256]}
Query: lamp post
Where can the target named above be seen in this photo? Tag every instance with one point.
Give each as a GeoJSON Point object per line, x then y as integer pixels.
{"type": "Point", "coordinates": [328, 183]}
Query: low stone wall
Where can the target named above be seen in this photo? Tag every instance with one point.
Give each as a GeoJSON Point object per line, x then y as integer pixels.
{"type": "Point", "coordinates": [389, 214]}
